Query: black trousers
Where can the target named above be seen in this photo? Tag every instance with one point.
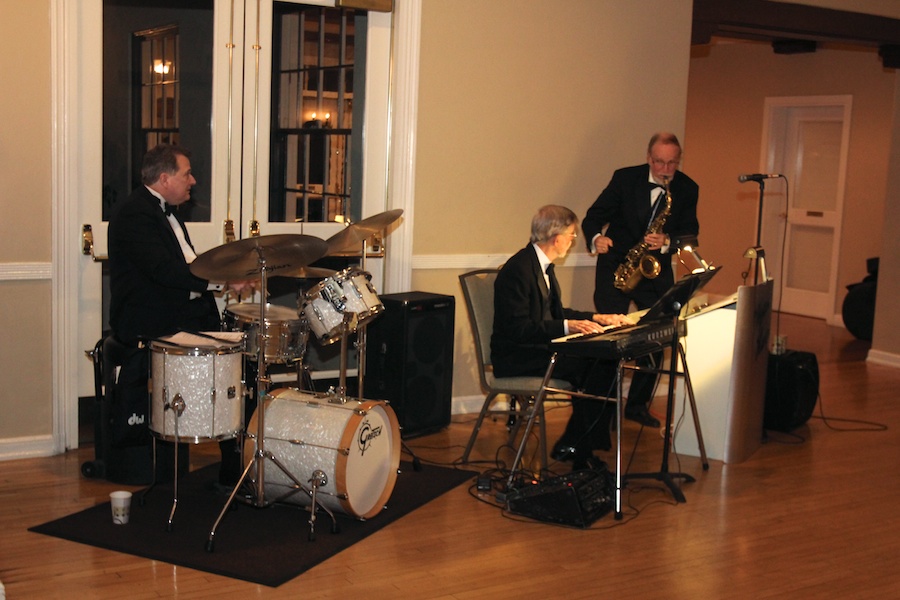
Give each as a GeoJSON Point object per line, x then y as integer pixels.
{"type": "Point", "coordinates": [588, 427]}
{"type": "Point", "coordinates": [608, 299]}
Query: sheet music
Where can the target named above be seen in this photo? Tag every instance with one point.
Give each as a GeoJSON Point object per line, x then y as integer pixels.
{"type": "Point", "coordinates": [206, 339]}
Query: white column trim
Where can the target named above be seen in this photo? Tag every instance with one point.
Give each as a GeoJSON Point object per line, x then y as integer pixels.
{"type": "Point", "coordinates": [403, 111]}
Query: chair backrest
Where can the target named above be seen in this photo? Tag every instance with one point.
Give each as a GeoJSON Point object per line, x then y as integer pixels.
{"type": "Point", "coordinates": [478, 291]}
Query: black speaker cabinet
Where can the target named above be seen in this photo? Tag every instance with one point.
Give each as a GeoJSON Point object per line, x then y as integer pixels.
{"type": "Point", "coordinates": [409, 359]}
{"type": "Point", "coordinates": [792, 388]}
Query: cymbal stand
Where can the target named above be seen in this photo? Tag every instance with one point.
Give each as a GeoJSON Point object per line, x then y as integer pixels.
{"type": "Point", "coordinates": [348, 324]}
{"type": "Point", "coordinates": [361, 339]}
{"type": "Point", "coordinates": [262, 391]}
{"type": "Point", "coordinates": [361, 366]}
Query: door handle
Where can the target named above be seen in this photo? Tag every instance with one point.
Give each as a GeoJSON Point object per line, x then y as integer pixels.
{"type": "Point", "coordinates": [87, 244]}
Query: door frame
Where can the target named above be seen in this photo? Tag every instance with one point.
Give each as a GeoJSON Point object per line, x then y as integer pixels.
{"type": "Point", "coordinates": [773, 160]}
{"type": "Point", "coordinates": [76, 175]}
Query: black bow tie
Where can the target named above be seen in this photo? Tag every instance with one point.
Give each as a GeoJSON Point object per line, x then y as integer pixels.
{"type": "Point", "coordinates": [167, 208]}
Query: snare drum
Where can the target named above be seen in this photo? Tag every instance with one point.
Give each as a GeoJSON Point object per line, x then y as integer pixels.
{"type": "Point", "coordinates": [349, 291]}
{"type": "Point", "coordinates": [197, 390]}
{"type": "Point", "coordinates": [356, 444]}
{"type": "Point", "coordinates": [286, 336]}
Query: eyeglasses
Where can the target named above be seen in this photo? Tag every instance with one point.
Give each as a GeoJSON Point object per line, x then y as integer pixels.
{"type": "Point", "coordinates": [571, 235]}
{"type": "Point", "coordinates": [662, 163]}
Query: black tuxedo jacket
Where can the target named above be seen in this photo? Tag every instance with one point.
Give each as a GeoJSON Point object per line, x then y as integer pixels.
{"type": "Point", "coordinates": [625, 206]}
{"type": "Point", "coordinates": [524, 320]}
{"type": "Point", "coordinates": [150, 281]}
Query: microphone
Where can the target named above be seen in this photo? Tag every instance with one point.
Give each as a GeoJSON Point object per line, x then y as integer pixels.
{"type": "Point", "coordinates": [758, 176]}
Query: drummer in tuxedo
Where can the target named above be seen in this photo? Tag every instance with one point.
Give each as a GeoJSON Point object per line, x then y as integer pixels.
{"type": "Point", "coordinates": [153, 292]}
{"type": "Point", "coordinates": [529, 313]}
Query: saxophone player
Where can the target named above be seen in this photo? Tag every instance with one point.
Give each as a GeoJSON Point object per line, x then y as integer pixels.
{"type": "Point", "coordinates": [626, 224]}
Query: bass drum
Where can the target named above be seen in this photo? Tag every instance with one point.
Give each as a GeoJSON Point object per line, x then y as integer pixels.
{"type": "Point", "coordinates": [356, 444]}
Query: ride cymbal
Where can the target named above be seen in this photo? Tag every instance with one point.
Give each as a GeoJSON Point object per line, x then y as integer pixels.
{"type": "Point", "coordinates": [241, 259]}
{"type": "Point", "coordinates": [350, 238]}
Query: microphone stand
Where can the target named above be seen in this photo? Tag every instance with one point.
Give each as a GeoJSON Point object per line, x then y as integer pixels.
{"type": "Point", "coordinates": [759, 218]}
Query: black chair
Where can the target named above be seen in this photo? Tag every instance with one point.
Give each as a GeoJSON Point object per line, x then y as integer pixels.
{"type": "Point", "coordinates": [478, 291]}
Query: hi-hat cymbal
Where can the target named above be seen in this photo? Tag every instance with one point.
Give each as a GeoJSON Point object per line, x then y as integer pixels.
{"type": "Point", "coordinates": [350, 238]}
{"type": "Point", "coordinates": [240, 260]}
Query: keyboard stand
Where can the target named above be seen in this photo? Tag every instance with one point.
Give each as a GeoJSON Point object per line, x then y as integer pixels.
{"type": "Point", "coordinates": [663, 475]}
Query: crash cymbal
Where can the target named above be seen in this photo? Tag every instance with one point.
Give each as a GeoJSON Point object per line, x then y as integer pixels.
{"type": "Point", "coordinates": [350, 238]}
{"type": "Point", "coordinates": [308, 273]}
{"type": "Point", "coordinates": [240, 260]}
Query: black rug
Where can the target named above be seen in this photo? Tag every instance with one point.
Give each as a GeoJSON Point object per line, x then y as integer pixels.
{"type": "Point", "coordinates": [268, 545]}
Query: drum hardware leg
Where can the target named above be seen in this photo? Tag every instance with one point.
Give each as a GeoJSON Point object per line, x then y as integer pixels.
{"type": "Point", "coordinates": [318, 478]}
{"type": "Point", "coordinates": [178, 405]}
{"type": "Point", "coordinates": [143, 499]}
{"type": "Point", "coordinates": [417, 464]}
{"type": "Point", "coordinates": [210, 542]}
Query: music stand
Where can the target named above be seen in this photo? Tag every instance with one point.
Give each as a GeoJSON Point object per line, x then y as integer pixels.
{"type": "Point", "coordinates": [670, 306]}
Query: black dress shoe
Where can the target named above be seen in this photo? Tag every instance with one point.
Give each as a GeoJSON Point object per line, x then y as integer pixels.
{"type": "Point", "coordinates": [563, 453]}
{"type": "Point", "coordinates": [641, 415]}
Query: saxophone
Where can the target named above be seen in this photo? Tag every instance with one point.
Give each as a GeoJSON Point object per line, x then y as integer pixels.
{"type": "Point", "coordinates": [637, 262]}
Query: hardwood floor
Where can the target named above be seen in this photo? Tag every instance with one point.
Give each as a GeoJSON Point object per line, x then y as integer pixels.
{"type": "Point", "coordinates": [808, 515]}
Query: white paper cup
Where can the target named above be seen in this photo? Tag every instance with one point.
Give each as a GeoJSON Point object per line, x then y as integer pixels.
{"type": "Point", "coordinates": [121, 506]}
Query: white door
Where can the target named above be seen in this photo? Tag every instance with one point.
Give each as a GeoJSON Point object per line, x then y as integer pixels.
{"type": "Point", "coordinates": [237, 181]}
{"type": "Point", "coordinates": [806, 140]}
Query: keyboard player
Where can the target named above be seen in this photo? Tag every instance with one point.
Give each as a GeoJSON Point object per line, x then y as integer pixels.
{"type": "Point", "coordinates": [529, 313]}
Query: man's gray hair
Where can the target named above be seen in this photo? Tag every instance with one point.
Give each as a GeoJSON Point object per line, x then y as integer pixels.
{"type": "Point", "coordinates": [551, 220]}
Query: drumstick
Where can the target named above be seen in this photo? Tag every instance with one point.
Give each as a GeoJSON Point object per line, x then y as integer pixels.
{"type": "Point", "coordinates": [204, 335]}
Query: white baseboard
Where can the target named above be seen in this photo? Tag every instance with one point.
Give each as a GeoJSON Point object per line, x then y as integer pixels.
{"type": "Point", "coordinates": [27, 447]}
{"type": "Point", "coordinates": [878, 357]}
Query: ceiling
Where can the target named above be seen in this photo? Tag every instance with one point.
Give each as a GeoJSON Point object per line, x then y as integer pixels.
{"type": "Point", "coordinates": [795, 28]}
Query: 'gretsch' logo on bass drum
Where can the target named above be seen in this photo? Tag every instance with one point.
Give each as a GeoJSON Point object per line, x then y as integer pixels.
{"type": "Point", "coordinates": [367, 433]}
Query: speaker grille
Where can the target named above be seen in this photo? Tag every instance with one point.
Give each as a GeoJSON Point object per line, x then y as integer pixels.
{"type": "Point", "coordinates": [409, 359]}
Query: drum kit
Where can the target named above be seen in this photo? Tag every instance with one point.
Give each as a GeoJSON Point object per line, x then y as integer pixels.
{"type": "Point", "coordinates": [331, 452]}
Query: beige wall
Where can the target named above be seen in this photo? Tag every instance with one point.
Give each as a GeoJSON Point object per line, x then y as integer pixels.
{"type": "Point", "coordinates": [728, 86]}
{"type": "Point", "coordinates": [886, 339]}
{"type": "Point", "coordinates": [25, 228]}
{"type": "Point", "coordinates": [521, 105]}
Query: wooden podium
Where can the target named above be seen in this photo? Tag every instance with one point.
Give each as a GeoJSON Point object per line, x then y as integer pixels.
{"type": "Point", "coordinates": [726, 349]}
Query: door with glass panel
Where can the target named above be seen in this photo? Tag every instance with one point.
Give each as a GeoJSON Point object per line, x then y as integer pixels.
{"type": "Point", "coordinates": [269, 97]}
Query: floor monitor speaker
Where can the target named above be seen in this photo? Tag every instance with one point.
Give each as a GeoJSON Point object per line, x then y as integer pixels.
{"type": "Point", "coordinates": [792, 388]}
{"type": "Point", "coordinates": [409, 359]}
